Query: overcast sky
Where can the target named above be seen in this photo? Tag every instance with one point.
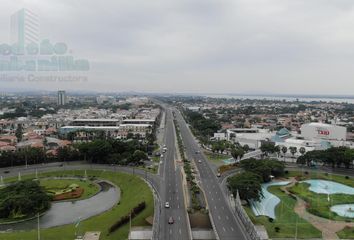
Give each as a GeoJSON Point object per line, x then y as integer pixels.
{"type": "Point", "coordinates": [234, 46]}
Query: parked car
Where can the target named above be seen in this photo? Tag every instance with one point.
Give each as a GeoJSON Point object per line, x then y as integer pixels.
{"type": "Point", "coordinates": [218, 174]}
{"type": "Point", "coordinates": [167, 205]}
{"type": "Point", "coordinates": [200, 161]}
{"type": "Point", "coordinates": [171, 220]}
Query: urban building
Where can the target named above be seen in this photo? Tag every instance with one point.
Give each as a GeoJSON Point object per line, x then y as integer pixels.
{"type": "Point", "coordinates": [323, 131]}
{"type": "Point", "coordinates": [61, 98]}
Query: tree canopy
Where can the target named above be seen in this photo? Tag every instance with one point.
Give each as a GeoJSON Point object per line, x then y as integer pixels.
{"type": "Point", "coordinates": [23, 199]}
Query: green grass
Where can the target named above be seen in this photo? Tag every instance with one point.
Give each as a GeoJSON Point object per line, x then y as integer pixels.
{"type": "Point", "coordinates": [133, 191]}
{"type": "Point", "coordinates": [319, 204]}
{"type": "Point", "coordinates": [320, 175]}
{"type": "Point", "coordinates": [216, 158]}
{"type": "Point", "coordinates": [286, 219]}
{"type": "Point", "coordinates": [57, 185]}
{"type": "Point", "coordinates": [346, 233]}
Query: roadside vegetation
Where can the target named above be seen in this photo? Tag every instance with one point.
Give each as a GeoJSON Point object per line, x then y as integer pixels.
{"type": "Point", "coordinates": [192, 185]}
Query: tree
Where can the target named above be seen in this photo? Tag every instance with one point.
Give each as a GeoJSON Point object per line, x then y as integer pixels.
{"type": "Point", "coordinates": [302, 150]}
{"type": "Point", "coordinates": [138, 156]}
{"type": "Point", "coordinates": [277, 150]}
{"type": "Point", "coordinates": [247, 184]}
{"type": "Point", "coordinates": [19, 132]}
{"type": "Point", "coordinates": [246, 148]}
{"type": "Point", "coordinates": [23, 198]}
{"type": "Point", "coordinates": [267, 148]}
{"type": "Point", "coordinates": [237, 153]}
{"type": "Point", "coordinates": [284, 150]}
{"type": "Point", "coordinates": [293, 150]}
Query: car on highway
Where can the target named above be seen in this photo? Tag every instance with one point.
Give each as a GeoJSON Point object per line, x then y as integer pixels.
{"type": "Point", "coordinates": [167, 205]}
{"type": "Point", "coordinates": [161, 155]}
{"type": "Point", "coordinates": [171, 220]}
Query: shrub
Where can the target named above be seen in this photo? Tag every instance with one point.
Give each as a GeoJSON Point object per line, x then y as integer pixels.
{"type": "Point", "coordinates": [125, 219]}
{"type": "Point", "coordinates": [271, 220]}
{"type": "Point", "coordinates": [347, 177]}
{"type": "Point", "coordinates": [277, 229]}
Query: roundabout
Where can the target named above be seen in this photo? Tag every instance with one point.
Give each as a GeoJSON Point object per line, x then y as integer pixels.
{"type": "Point", "coordinates": [119, 193]}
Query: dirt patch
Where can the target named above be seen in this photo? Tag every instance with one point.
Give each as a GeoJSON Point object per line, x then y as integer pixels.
{"type": "Point", "coordinates": [199, 220]}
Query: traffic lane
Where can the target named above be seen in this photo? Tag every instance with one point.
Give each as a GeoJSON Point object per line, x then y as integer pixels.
{"type": "Point", "coordinates": [174, 193]}
{"type": "Point", "coordinates": [226, 224]}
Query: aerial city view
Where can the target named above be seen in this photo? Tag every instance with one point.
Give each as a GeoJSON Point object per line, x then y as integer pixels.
{"type": "Point", "coordinates": [176, 120]}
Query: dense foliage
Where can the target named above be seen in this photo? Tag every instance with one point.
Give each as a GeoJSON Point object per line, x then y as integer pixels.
{"type": "Point", "coordinates": [264, 168]}
{"type": "Point", "coordinates": [23, 199]}
{"type": "Point", "coordinates": [334, 157]}
{"type": "Point", "coordinates": [129, 152]}
{"type": "Point", "coordinates": [256, 172]}
{"type": "Point", "coordinates": [248, 185]}
{"type": "Point", "coordinates": [203, 127]}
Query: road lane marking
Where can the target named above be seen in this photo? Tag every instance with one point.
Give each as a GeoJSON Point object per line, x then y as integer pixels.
{"type": "Point", "coordinates": [232, 229]}
{"type": "Point", "coordinates": [223, 228]}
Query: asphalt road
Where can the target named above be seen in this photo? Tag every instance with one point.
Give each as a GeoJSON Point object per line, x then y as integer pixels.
{"type": "Point", "coordinates": [226, 223]}
{"type": "Point", "coordinates": [171, 190]}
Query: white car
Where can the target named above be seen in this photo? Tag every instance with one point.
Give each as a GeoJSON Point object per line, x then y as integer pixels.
{"type": "Point", "coordinates": [200, 161]}
{"type": "Point", "coordinates": [161, 156]}
{"type": "Point", "coordinates": [167, 205]}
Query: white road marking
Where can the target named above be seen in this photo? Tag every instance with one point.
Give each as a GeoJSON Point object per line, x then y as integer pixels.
{"type": "Point", "coordinates": [180, 232]}
{"type": "Point", "coordinates": [219, 217]}
{"type": "Point", "coordinates": [232, 229]}
{"type": "Point", "coordinates": [223, 228]}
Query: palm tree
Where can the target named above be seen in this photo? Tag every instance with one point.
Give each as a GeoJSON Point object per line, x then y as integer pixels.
{"type": "Point", "coordinates": [302, 150]}
{"type": "Point", "coordinates": [284, 150]}
{"type": "Point", "coordinates": [293, 150]}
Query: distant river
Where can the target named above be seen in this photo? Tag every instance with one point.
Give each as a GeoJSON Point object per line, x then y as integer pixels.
{"type": "Point", "coordinates": [287, 98]}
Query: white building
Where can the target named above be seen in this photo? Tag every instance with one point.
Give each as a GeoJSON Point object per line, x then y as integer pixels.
{"type": "Point", "coordinates": [220, 136]}
{"type": "Point", "coordinates": [323, 131]}
{"type": "Point", "coordinates": [253, 137]}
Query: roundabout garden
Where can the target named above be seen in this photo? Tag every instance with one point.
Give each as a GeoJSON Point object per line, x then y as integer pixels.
{"type": "Point", "coordinates": [69, 203]}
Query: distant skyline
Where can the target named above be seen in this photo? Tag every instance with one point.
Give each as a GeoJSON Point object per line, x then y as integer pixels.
{"type": "Point", "coordinates": [199, 46]}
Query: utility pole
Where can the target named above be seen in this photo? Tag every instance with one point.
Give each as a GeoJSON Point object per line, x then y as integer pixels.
{"type": "Point", "coordinates": [38, 228]}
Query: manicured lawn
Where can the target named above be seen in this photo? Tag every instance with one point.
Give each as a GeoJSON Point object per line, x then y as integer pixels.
{"type": "Point", "coordinates": [216, 158]}
{"type": "Point", "coordinates": [288, 222]}
{"type": "Point", "coordinates": [320, 175]}
{"type": "Point", "coordinates": [133, 191]}
{"type": "Point", "coordinates": [319, 204]}
{"type": "Point", "coordinates": [55, 185]}
{"type": "Point", "coordinates": [346, 233]}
